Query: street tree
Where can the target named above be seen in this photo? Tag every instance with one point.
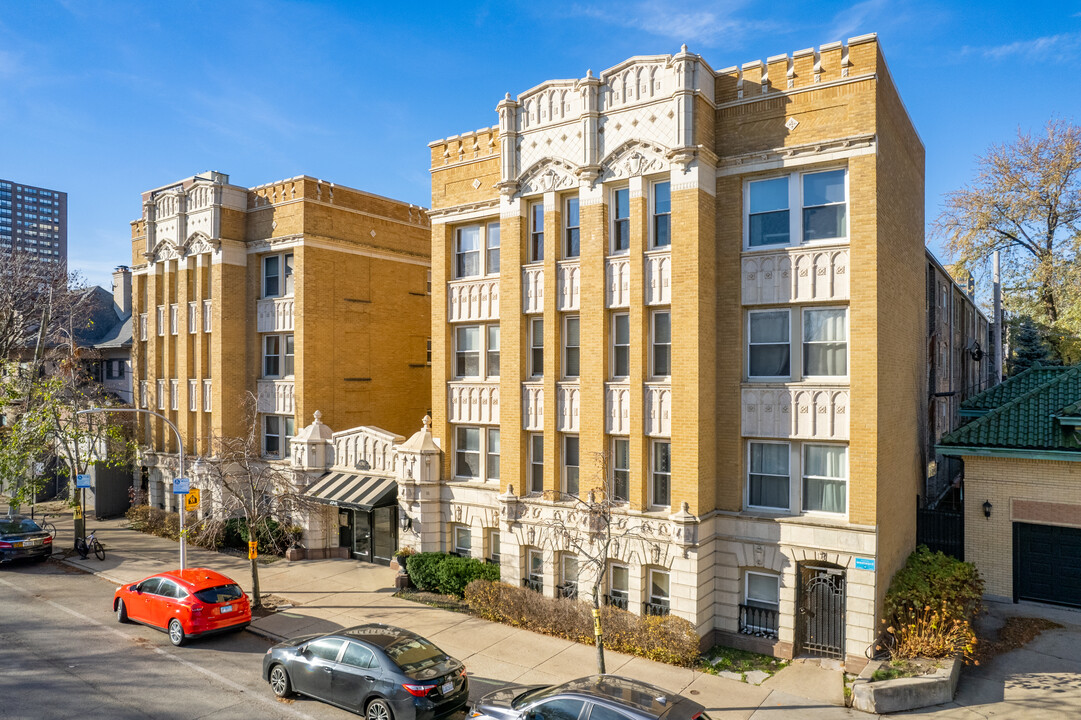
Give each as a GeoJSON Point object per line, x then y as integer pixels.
{"type": "Point", "coordinates": [243, 486]}
{"type": "Point", "coordinates": [592, 523]}
{"type": "Point", "coordinates": [1025, 202]}
{"type": "Point", "coordinates": [30, 290]}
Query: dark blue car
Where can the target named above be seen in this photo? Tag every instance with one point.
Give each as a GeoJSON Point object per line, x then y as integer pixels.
{"type": "Point", "coordinates": [381, 671]}
{"type": "Point", "coordinates": [22, 538]}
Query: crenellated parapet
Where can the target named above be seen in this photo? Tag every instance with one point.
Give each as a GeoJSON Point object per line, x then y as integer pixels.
{"type": "Point", "coordinates": [831, 62]}
{"type": "Point", "coordinates": [474, 145]}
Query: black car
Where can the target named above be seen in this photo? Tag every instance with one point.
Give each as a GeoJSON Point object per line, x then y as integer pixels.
{"type": "Point", "coordinates": [22, 538]}
{"type": "Point", "coordinates": [382, 671]}
{"type": "Point", "coordinates": [597, 697]}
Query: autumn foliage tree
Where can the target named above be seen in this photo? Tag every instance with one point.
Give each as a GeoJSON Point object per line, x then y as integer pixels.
{"type": "Point", "coordinates": [1025, 202]}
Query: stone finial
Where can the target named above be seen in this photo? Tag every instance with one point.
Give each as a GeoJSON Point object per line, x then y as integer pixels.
{"type": "Point", "coordinates": [683, 48]}
{"type": "Point", "coordinates": [427, 421]}
{"type": "Point", "coordinates": [589, 74]}
{"type": "Point", "coordinates": [507, 97]}
{"type": "Point", "coordinates": [318, 416]}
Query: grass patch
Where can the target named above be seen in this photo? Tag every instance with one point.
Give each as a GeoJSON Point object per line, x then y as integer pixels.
{"type": "Point", "coordinates": [443, 602]}
{"type": "Point", "coordinates": [725, 659]}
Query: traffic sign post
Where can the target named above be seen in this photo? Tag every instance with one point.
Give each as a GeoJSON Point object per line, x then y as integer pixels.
{"type": "Point", "coordinates": [182, 486]}
{"type": "Point", "coordinates": [82, 482]}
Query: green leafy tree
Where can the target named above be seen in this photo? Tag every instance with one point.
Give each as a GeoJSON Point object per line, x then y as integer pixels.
{"type": "Point", "coordinates": [1025, 202]}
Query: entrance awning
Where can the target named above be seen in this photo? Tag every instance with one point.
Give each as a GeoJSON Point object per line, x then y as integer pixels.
{"type": "Point", "coordinates": [354, 491]}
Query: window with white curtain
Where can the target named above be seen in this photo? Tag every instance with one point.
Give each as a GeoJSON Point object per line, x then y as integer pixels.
{"type": "Point", "coordinates": [467, 452]}
{"type": "Point", "coordinates": [825, 478]}
{"type": "Point", "coordinates": [825, 342]}
{"type": "Point", "coordinates": [467, 351]}
{"type": "Point", "coordinates": [768, 349]}
{"type": "Point", "coordinates": [621, 468]}
{"type": "Point", "coordinates": [467, 252]}
{"type": "Point", "coordinates": [768, 475]}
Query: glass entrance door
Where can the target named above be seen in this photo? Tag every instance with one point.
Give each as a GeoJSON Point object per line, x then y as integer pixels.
{"type": "Point", "coordinates": [362, 535]}
{"type": "Point", "coordinates": [385, 533]}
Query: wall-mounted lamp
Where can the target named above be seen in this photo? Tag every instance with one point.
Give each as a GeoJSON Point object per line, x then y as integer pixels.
{"type": "Point", "coordinates": [987, 509]}
{"type": "Point", "coordinates": [405, 522]}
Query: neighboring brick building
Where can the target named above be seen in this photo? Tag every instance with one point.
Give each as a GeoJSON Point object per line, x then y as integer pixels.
{"type": "Point", "coordinates": [715, 280]}
{"type": "Point", "coordinates": [1022, 464]}
{"type": "Point", "coordinates": [310, 295]}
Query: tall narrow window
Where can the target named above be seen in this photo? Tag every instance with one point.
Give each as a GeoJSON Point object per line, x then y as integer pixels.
{"type": "Point", "coordinates": [761, 592]}
{"type": "Point", "coordinates": [193, 395]}
{"type": "Point", "coordinates": [271, 435]}
{"type": "Point", "coordinates": [271, 276]}
{"type": "Point", "coordinates": [536, 463]}
{"type": "Point", "coordinates": [662, 473]}
{"type": "Point", "coordinates": [271, 356]}
{"type": "Point", "coordinates": [535, 570]}
{"type": "Point", "coordinates": [428, 352]}
{"type": "Point", "coordinates": [287, 358]}
{"type": "Point", "coordinates": [570, 464]}
{"type": "Point", "coordinates": [659, 592]}
{"type": "Point", "coordinates": [621, 345]}
{"type": "Point", "coordinates": [662, 344]}
{"type": "Point", "coordinates": [621, 469]}
{"type": "Point", "coordinates": [492, 369]}
{"type": "Point", "coordinates": [662, 214]}
{"type": "Point", "coordinates": [193, 318]}
{"type": "Point", "coordinates": [571, 348]}
{"type": "Point", "coordinates": [207, 395]}
{"type": "Point", "coordinates": [824, 206]}
{"type": "Point", "coordinates": [492, 464]}
{"type": "Point", "coordinates": [619, 586]}
{"type": "Point", "coordinates": [161, 319]}
{"type": "Point", "coordinates": [536, 347]}
{"type": "Point", "coordinates": [467, 251]}
{"type": "Point", "coordinates": [767, 475]}
{"type": "Point", "coordinates": [536, 232]}
{"type": "Point", "coordinates": [467, 453]}
{"type": "Point", "coordinates": [767, 218]}
{"type": "Point", "coordinates": [174, 394]}
{"type": "Point", "coordinates": [568, 586]}
{"type": "Point", "coordinates": [768, 344]}
{"type": "Point", "coordinates": [287, 268]}
{"type": "Point", "coordinates": [467, 351]}
{"type": "Point", "coordinates": [621, 220]}
{"type": "Point", "coordinates": [825, 343]}
{"type": "Point", "coordinates": [825, 478]}
{"type": "Point", "coordinates": [493, 546]}
{"type": "Point", "coordinates": [572, 243]}
{"type": "Point", "coordinates": [492, 243]}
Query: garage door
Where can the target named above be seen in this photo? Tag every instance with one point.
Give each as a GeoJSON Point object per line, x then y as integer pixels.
{"type": "Point", "coordinates": [1047, 563]}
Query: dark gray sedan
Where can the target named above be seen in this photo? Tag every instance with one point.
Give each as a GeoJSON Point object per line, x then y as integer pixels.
{"type": "Point", "coordinates": [381, 671]}
{"type": "Point", "coordinates": [597, 697]}
{"type": "Point", "coordinates": [22, 538]}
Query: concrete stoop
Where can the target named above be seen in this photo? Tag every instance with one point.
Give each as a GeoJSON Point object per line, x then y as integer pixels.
{"type": "Point", "coordinates": [890, 696]}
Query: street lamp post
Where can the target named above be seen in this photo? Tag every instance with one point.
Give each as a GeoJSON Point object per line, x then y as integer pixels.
{"type": "Point", "coordinates": [180, 448]}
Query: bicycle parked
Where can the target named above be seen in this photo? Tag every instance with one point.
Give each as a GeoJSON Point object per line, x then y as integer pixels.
{"type": "Point", "coordinates": [83, 546]}
{"type": "Point", "coordinates": [45, 525]}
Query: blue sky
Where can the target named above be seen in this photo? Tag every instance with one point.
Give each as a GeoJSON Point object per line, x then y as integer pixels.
{"type": "Point", "coordinates": [107, 99]}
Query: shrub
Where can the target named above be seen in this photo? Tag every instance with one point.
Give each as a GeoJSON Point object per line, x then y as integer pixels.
{"type": "Point", "coordinates": [447, 574]}
{"type": "Point", "coordinates": [933, 579]}
{"type": "Point", "coordinates": [930, 605]}
{"type": "Point", "coordinates": [668, 638]}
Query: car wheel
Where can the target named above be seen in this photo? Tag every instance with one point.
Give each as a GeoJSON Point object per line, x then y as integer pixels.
{"type": "Point", "coordinates": [378, 710]}
{"type": "Point", "coordinates": [279, 682]}
{"type": "Point", "coordinates": [176, 632]}
{"type": "Point", "coordinates": [121, 612]}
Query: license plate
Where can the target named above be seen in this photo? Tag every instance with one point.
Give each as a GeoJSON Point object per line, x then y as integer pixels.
{"type": "Point", "coordinates": [447, 687]}
{"type": "Point", "coordinates": [18, 544]}
{"type": "Point", "coordinates": [227, 608]}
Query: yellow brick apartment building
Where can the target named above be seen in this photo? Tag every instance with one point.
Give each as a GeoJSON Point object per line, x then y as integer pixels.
{"type": "Point", "coordinates": [713, 280]}
{"type": "Point", "coordinates": [307, 294]}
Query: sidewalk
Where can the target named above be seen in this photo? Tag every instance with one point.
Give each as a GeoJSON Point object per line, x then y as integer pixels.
{"type": "Point", "coordinates": [330, 594]}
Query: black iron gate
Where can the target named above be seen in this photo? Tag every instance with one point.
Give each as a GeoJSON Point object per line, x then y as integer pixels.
{"type": "Point", "coordinates": [821, 621]}
{"type": "Point", "coordinates": [941, 529]}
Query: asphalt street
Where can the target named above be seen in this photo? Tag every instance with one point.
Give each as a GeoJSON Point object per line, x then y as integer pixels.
{"type": "Point", "coordinates": [63, 655]}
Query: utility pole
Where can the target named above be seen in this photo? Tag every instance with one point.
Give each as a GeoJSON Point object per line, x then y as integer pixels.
{"type": "Point", "coordinates": [996, 340]}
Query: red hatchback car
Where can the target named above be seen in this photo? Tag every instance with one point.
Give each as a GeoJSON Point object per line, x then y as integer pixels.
{"type": "Point", "coordinates": [184, 603]}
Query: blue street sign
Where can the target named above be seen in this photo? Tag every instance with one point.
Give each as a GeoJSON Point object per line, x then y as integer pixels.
{"type": "Point", "coordinates": [82, 481]}
{"type": "Point", "coordinates": [181, 486]}
{"type": "Point", "coordinates": [865, 563]}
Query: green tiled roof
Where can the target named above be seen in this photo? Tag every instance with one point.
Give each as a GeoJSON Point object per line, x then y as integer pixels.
{"type": "Point", "coordinates": [1016, 386]}
{"type": "Point", "coordinates": [1027, 421]}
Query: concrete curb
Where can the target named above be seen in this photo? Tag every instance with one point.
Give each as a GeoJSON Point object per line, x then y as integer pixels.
{"type": "Point", "coordinates": [890, 696]}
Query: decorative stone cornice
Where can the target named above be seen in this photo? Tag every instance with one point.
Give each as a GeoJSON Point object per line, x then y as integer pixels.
{"type": "Point", "coordinates": [738, 163]}
{"type": "Point", "coordinates": [452, 210]}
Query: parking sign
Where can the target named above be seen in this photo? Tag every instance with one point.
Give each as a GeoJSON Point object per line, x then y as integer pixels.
{"type": "Point", "coordinates": [181, 486]}
{"type": "Point", "coordinates": [82, 481]}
